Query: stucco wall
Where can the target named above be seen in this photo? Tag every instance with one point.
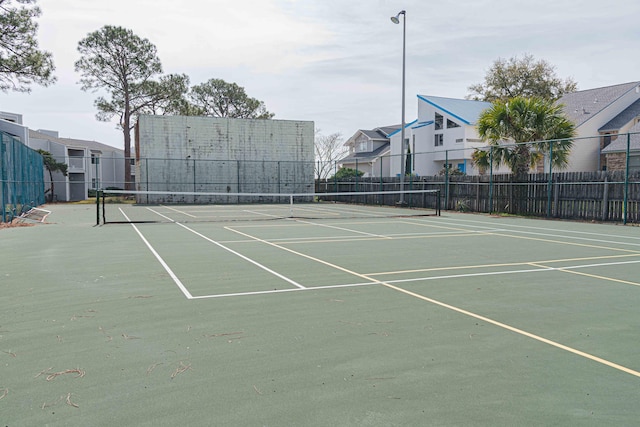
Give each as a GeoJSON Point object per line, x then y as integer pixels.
{"type": "Point", "coordinates": [205, 154]}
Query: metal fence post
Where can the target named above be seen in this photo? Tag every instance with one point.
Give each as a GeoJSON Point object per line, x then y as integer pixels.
{"type": "Point", "coordinates": [550, 182]}
{"type": "Point", "coordinates": [625, 205]}
{"type": "Point", "coordinates": [446, 179]}
{"type": "Point", "coordinates": [491, 180]}
{"type": "Point", "coordinates": [3, 177]}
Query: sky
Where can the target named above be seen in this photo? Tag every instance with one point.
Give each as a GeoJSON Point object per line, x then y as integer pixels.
{"type": "Point", "coordinates": [337, 63]}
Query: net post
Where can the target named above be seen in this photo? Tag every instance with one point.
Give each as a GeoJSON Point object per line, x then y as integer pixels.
{"type": "Point", "coordinates": [97, 207]}
{"type": "Point", "coordinates": [104, 218]}
{"type": "Point", "coordinates": [290, 205]}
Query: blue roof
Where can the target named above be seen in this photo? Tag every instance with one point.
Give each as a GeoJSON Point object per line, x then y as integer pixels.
{"type": "Point", "coordinates": [423, 124]}
{"type": "Point", "coordinates": [406, 125]}
{"type": "Point", "coordinates": [465, 110]}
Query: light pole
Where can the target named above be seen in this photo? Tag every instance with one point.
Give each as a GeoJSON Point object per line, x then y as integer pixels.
{"type": "Point", "coordinates": [396, 20]}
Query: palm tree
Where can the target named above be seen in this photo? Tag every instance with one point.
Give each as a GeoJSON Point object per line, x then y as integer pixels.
{"type": "Point", "coordinates": [510, 127]}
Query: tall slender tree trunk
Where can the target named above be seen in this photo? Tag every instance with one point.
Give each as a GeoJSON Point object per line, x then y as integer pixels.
{"type": "Point", "coordinates": [126, 129]}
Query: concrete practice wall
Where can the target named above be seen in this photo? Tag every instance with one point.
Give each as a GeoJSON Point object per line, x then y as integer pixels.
{"type": "Point", "coordinates": [206, 154]}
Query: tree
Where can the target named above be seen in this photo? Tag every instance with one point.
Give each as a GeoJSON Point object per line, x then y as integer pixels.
{"type": "Point", "coordinates": [52, 165]}
{"type": "Point", "coordinates": [166, 96]}
{"type": "Point", "coordinates": [328, 150]}
{"type": "Point", "coordinates": [217, 98]}
{"type": "Point", "coordinates": [21, 62]}
{"type": "Point", "coordinates": [524, 77]}
{"type": "Point", "coordinates": [120, 62]}
{"type": "Point", "coordinates": [508, 125]}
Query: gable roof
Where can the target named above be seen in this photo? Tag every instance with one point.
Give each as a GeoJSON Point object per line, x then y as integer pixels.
{"type": "Point", "coordinates": [375, 134]}
{"type": "Point", "coordinates": [630, 113]}
{"type": "Point", "coordinates": [388, 130]}
{"type": "Point", "coordinates": [620, 143]}
{"type": "Point", "coordinates": [465, 110]}
{"type": "Point", "coordinates": [580, 106]}
{"type": "Point", "coordinates": [367, 154]}
{"type": "Point", "coordinates": [378, 134]}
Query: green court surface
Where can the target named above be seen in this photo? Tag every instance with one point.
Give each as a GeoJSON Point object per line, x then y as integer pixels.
{"type": "Point", "coordinates": [381, 321]}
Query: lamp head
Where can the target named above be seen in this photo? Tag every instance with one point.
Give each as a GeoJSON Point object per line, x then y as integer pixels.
{"type": "Point", "coordinates": [396, 19]}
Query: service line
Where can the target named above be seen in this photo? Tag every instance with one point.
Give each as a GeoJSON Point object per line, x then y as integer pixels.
{"type": "Point", "coordinates": [457, 309]}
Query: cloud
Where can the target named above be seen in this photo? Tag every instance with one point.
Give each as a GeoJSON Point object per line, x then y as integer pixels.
{"type": "Point", "coordinates": [333, 61]}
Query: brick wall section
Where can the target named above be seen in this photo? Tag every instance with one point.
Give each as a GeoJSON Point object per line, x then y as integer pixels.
{"type": "Point", "coordinates": [616, 161]}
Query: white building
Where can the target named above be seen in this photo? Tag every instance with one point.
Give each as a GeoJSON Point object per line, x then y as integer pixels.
{"type": "Point", "coordinates": [445, 133]}
{"type": "Point", "coordinates": [90, 164]}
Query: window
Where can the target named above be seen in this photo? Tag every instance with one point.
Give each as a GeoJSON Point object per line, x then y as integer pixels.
{"type": "Point", "coordinates": [452, 124]}
{"type": "Point", "coordinates": [608, 138]}
{"type": "Point", "coordinates": [461, 167]}
{"type": "Point", "coordinates": [439, 122]}
{"type": "Point", "coordinates": [362, 146]}
{"type": "Point", "coordinates": [438, 139]}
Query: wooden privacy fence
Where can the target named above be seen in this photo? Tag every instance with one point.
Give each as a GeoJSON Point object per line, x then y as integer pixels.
{"type": "Point", "coordinates": [593, 196]}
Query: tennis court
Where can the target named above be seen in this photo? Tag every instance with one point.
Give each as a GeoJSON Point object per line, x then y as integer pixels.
{"type": "Point", "coordinates": [369, 320]}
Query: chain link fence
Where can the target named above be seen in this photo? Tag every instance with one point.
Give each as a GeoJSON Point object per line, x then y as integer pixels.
{"type": "Point", "coordinates": [21, 178]}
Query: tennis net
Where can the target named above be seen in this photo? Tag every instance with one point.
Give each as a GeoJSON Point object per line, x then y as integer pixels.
{"type": "Point", "coordinates": [121, 206]}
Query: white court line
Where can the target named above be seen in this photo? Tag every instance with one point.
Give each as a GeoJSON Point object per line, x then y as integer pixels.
{"type": "Point", "coordinates": [557, 235]}
{"type": "Point", "coordinates": [427, 278]}
{"type": "Point", "coordinates": [279, 291]}
{"type": "Point", "coordinates": [262, 214]}
{"type": "Point", "coordinates": [256, 263]}
{"type": "Point", "coordinates": [173, 276]}
{"type": "Point", "coordinates": [175, 210]}
{"type": "Point", "coordinates": [413, 294]}
{"type": "Point", "coordinates": [343, 229]}
{"type": "Point", "coordinates": [460, 222]}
